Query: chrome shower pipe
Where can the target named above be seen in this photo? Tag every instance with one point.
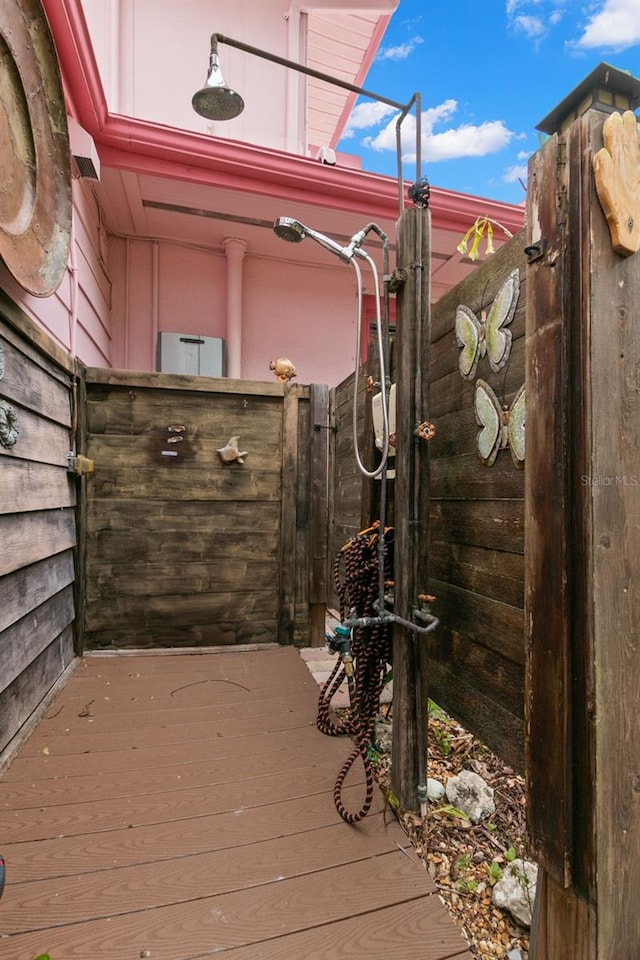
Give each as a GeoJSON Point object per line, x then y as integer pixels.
{"type": "Point", "coordinates": [232, 104]}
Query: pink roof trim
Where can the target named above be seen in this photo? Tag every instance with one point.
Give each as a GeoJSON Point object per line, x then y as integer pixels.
{"type": "Point", "coordinates": [144, 147]}
{"type": "Point", "coordinates": [368, 59]}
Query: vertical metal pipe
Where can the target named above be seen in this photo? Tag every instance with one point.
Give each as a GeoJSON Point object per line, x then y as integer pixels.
{"type": "Point", "coordinates": [234, 251]}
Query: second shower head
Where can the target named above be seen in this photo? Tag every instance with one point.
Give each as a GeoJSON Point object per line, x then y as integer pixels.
{"type": "Point", "coordinates": [287, 228]}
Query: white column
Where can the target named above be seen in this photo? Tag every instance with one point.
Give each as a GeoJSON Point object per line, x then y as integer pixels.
{"type": "Point", "coordinates": [234, 251]}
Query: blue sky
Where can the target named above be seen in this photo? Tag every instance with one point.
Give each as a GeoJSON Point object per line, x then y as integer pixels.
{"type": "Point", "coordinates": [488, 71]}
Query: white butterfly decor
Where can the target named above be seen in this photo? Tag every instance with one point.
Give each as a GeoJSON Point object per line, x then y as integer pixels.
{"type": "Point", "coordinates": [488, 334]}
{"type": "Point", "coordinates": [501, 427]}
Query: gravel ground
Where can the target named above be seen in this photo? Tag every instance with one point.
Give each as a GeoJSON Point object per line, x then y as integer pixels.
{"type": "Point", "coordinates": [465, 859]}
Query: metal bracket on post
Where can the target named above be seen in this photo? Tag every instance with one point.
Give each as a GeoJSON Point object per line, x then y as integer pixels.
{"type": "Point", "coordinates": [79, 464]}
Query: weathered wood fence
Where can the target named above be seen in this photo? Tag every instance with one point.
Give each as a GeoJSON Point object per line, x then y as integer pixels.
{"type": "Point", "coordinates": [476, 658]}
{"type": "Point", "coordinates": [583, 553]}
{"type": "Point", "coordinates": [37, 518]}
{"type": "Point", "coordinates": [184, 549]}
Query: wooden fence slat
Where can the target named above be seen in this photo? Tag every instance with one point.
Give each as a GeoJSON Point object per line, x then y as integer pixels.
{"type": "Point", "coordinates": [411, 498]}
{"type": "Point", "coordinates": [318, 506]}
{"type": "Point", "coordinates": [286, 614]}
{"type": "Point", "coordinates": [22, 642]}
{"type": "Point", "coordinates": [29, 587]}
{"type": "Point", "coordinates": [25, 692]}
{"type": "Point", "coordinates": [28, 486]}
{"type": "Point", "coordinates": [34, 388]}
{"type": "Point", "coordinates": [30, 537]}
{"type": "Point", "coordinates": [548, 561]}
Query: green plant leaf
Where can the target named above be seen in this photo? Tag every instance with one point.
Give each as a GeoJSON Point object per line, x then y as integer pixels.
{"type": "Point", "coordinates": [452, 811]}
{"type": "Point", "coordinates": [393, 801]}
{"type": "Point", "coordinates": [510, 854]}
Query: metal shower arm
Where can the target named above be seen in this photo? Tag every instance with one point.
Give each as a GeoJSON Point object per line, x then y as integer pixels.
{"type": "Point", "coordinates": [404, 108]}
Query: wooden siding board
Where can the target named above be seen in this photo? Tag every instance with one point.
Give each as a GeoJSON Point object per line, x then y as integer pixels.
{"type": "Point", "coordinates": [29, 587]}
{"type": "Point", "coordinates": [33, 340]}
{"type": "Point", "coordinates": [37, 522]}
{"type": "Point", "coordinates": [34, 536]}
{"type": "Point", "coordinates": [25, 693]}
{"type": "Point", "coordinates": [212, 417]}
{"type": "Point", "coordinates": [21, 643]}
{"type": "Point", "coordinates": [25, 382]}
{"type": "Point", "coordinates": [28, 486]}
{"type": "Point", "coordinates": [169, 381]}
{"type": "Point", "coordinates": [175, 634]}
{"type": "Point", "coordinates": [40, 440]}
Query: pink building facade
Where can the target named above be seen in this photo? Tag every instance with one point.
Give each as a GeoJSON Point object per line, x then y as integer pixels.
{"type": "Point", "coordinates": [175, 237]}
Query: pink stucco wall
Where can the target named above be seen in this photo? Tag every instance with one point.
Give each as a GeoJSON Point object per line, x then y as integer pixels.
{"type": "Point", "coordinates": [304, 312]}
{"type": "Point", "coordinates": [163, 287]}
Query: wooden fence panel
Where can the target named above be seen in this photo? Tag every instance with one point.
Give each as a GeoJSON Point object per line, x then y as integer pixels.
{"type": "Point", "coordinates": [37, 521]}
{"type": "Point", "coordinates": [476, 657]}
{"type": "Point", "coordinates": [346, 490]}
{"type": "Point", "coordinates": [183, 549]}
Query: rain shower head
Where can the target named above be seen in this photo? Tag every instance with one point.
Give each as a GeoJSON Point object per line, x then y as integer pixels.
{"type": "Point", "coordinates": [216, 101]}
{"type": "Point", "coordinates": [293, 231]}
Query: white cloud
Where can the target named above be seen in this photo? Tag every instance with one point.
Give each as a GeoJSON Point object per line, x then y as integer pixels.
{"type": "Point", "coordinates": [466, 140]}
{"type": "Point", "coordinates": [400, 52]}
{"type": "Point", "coordinates": [523, 155]}
{"type": "Point", "coordinates": [615, 26]}
{"type": "Point", "coordinates": [519, 172]}
{"type": "Point", "coordinates": [366, 115]}
{"type": "Point", "coordinates": [533, 26]}
{"type": "Point", "coordinates": [534, 18]}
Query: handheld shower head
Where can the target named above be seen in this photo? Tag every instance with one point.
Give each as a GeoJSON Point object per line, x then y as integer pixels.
{"type": "Point", "coordinates": [289, 229]}
{"type": "Point", "coordinates": [292, 230]}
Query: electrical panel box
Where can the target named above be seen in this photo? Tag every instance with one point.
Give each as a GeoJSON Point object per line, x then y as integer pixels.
{"type": "Point", "coordinates": [191, 354]}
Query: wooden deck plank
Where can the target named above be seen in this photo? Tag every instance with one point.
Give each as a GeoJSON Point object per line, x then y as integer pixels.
{"type": "Point", "coordinates": [213, 924]}
{"type": "Point", "coordinates": [75, 819]}
{"type": "Point", "coordinates": [117, 761]}
{"type": "Point", "coordinates": [61, 720]}
{"type": "Point", "coordinates": [68, 743]}
{"type": "Point", "coordinates": [154, 843]}
{"type": "Point", "coordinates": [400, 932]}
{"type": "Point", "coordinates": [107, 893]}
{"type": "Point", "coordinates": [25, 794]}
{"type": "Point", "coordinates": [162, 835]}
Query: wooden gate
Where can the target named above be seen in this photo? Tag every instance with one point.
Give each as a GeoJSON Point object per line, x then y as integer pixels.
{"type": "Point", "coordinates": [182, 548]}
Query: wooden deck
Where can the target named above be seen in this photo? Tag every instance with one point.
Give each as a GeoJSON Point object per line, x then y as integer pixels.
{"type": "Point", "coordinates": [180, 807]}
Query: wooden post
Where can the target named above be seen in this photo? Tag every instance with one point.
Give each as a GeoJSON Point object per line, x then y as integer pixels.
{"type": "Point", "coordinates": [318, 525]}
{"type": "Point", "coordinates": [582, 560]}
{"type": "Point", "coordinates": [79, 399]}
{"type": "Point", "coordinates": [286, 613]}
{"type": "Point", "coordinates": [411, 498]}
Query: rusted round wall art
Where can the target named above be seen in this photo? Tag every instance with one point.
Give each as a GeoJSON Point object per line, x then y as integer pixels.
{"type": "Point", "coordinates": [35, 167]}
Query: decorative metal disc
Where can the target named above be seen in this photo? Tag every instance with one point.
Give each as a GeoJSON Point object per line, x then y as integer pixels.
{"type": "Point", "coordinates": [9, 429]}
{"type": "Point", "coordinates": [35, 164]}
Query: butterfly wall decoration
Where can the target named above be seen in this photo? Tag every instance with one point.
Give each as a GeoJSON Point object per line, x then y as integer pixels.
{"type": "Point", "coordinates": [500, 427]}
{"type": "Point", "coordinates": [487, 335]}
